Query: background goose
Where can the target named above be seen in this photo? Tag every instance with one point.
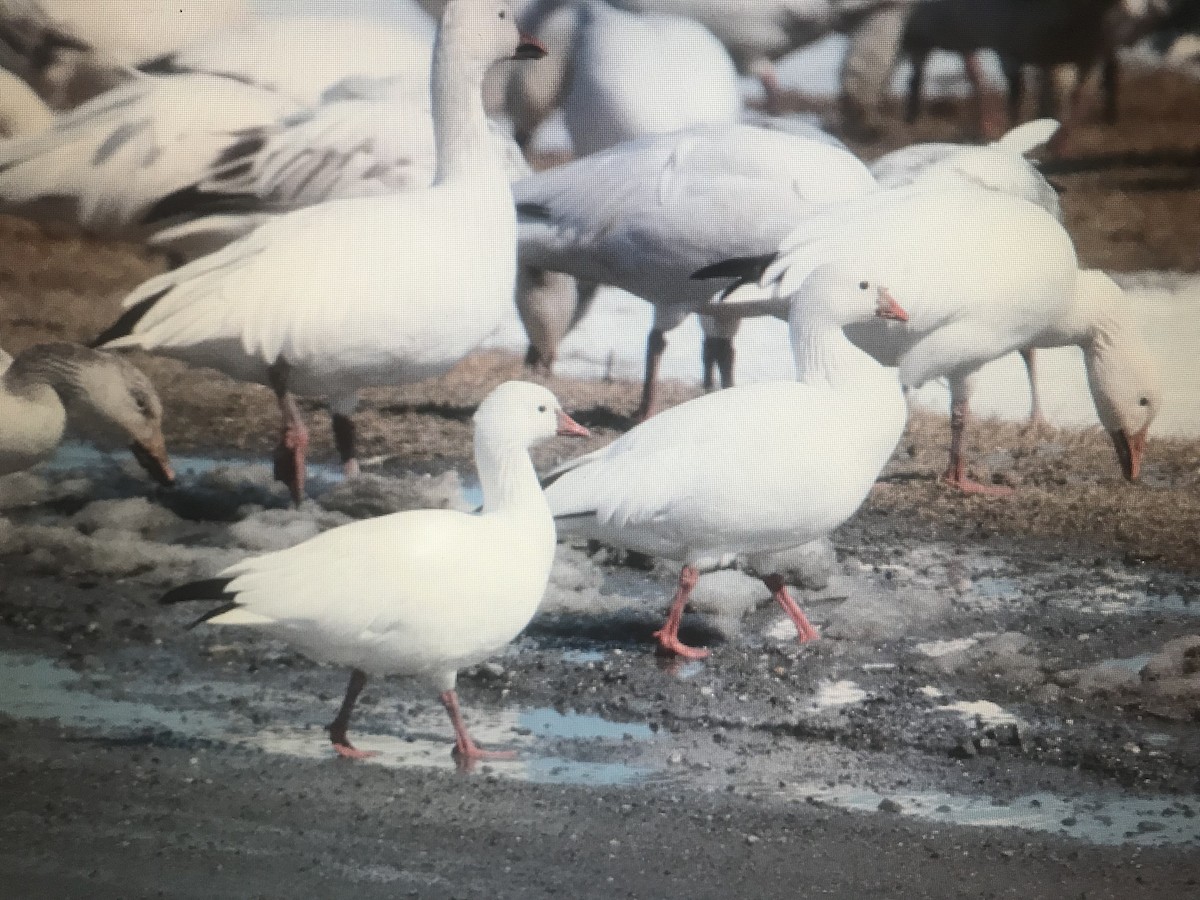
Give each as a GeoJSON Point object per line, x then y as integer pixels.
{"type": "Point", "coordinates": [754, 469]}
{"type": "Point", "coordinates": [646, 214]}
{"type": "Point", "coordinates": [101, 395]}
{"type": "Point", "coordinates": [359, 292]}
{"type": "Point", "coordinates": [108, 164]}
{"type": "Point", "coordinates": [421, 593]}
{"type": "Point", "coordinates": [982, 274]}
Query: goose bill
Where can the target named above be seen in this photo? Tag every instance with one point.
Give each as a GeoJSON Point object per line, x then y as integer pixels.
{"type": "Point", "coordinates": [529, 48]}
{"type": "Point", "coordinates": [569, 427]}
{"type": "Point", "coordinates": [1130, 450]}
{"type": "Point", "coordinates": [888, 308]}
{"type": "Point", "coordinates": [152, 455]}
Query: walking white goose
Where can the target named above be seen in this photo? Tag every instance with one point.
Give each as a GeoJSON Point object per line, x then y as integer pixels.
{"type": "Point", "coordinates": [104, 396]}
{"type": "Point", "coordinates": [421, 593]}
{"type": "Point", "coordinates": [371, 291]}
{"type": "Point", "coordinates": [754, 469]}
{"type": "Point", "coordinates": [982, 274]}
{"type": "Point", "coordinates": [645, 215]}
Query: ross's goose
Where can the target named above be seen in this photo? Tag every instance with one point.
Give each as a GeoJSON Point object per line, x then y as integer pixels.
{"type": "Point", "coordinates": [422, 593]}
{"type": "Point", "coordinates": [107, 164]}
{"type": "Point", "coordinates": [370, 291]}
{"type": "Point", "coordinates": [646, 214]}
{"type": "Point", "coordinates": [634, 75]}
{"type": "Point", "coordinates": [755, 469]}
{"type": "Point", "coordinates": [982, 274]}
{"type": "Point", "coordinates": [103, 396]}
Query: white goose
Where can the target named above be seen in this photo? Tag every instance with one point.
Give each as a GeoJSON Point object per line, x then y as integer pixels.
{"type": "Point", "coordinates": [754, 469]}
{"type": "Point", "coordinates": [421, 593]}
{"type": "Point", "coordinates": [108, 165]}
{"type": "Point", "coordinates": [982, 274]}
{"type": "Point", "coordinates": [372, 291]}
{"type": "Point", "coordinates": [634, 75]}
{"type": "Point", "coordinates": [21, 110]}
{"type": "Point", "coordinates": [644, 215]}
{"type": "Point", "coordinates": [104, 396]}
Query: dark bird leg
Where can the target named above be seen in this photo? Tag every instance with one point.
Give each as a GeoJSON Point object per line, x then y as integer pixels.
{"type": "Point", "coordinates": [293, 442]}
{"type": "Point", "coordinates": [337, 730]}
{"type": "Point", "coordinates": [656, 345]}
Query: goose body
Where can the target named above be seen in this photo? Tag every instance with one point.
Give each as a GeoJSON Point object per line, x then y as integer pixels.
{"type": "Point", "coordinates": [644, 215]}
{"type": "Point", "coordinates": [635, 75]}
{"type": "Point", "coordinates": [421, 593]}
{"type": "Point", "coordinates": [368, 291]}
{"type": "Point", "coordinates": [754, 469]}
{"type": "Point", "coordinates": [107, 398]}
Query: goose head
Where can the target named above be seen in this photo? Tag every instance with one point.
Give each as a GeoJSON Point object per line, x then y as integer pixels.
{"type": "Point", "coordinates": [842, 293]}
{"type": "Point", "coordinates": [485, 31]}
{"type": "Point", "coordinates": [113, 402]}
{"type": "Point", "coordinates": [1122, 374]}
{"type": "Point", "coordinates": [519, 414]}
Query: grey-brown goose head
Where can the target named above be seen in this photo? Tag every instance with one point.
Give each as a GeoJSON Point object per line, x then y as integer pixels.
{"type": "Point", "coordinates": [108, 399]}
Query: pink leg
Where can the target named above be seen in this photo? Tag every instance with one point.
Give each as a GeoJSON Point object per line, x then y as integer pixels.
{"type": "Point", "coordinates": [772, 92]}
{"type": "Point", "coordinates": [656, 345]}
{"type": "Point", "coordinates": [668, 635]}
{"type": "Point", "coordinates": [466, 751]}
{"type": "Point", "coordinates": [293, 443]}
{"type": "Point", "coordinates": [779, 591]}
{"type": "Point", "coordinates": [337, 730]}
{"type": "Point", "coordinates": [956, 474]}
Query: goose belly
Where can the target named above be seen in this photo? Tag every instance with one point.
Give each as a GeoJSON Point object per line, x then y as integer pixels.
{"type": "Point", "coordinates": [29, 429]}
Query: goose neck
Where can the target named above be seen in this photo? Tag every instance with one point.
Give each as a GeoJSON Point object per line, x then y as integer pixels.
{"type": "Point", "coordinates": [824, 355]}
{"type": "Point", "coordinates": [508, 479]}
{"type": "Point", "coordinates": [461, 134]}
{"type": "Point", "coordinates": [45, 365]}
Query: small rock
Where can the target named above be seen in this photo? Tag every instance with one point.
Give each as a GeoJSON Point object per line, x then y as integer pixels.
{"type": "Point", "coordinates": [888, 805]}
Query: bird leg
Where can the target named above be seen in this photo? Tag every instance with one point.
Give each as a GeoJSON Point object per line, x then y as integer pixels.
{"type": "Point", "coordinates": [717, 353]}
{"type": "Point", "coordinates": [343, 439]}
{"type": "Point", "coordinates": [956, 474]}
{"type": "Point", "coordinates": [1037, 417]}
{"type": "Point", "coordinates": [293, 443]}
{"type": "Point", "coordinates": [991, 122]}
{"type": "Point", "coordinates": [779, 591]}
{"type": "Point", "coordinates": [668, 635]}
{"type": "Point", "coordinates": [337, 730]}
{"type": "Point", "coordinates": [656, 345]}
{"type": "Point", "coordinates": [466, 751]}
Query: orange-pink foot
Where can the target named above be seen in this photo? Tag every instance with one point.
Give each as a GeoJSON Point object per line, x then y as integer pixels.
{"type": "Point", "coordinates": [671, 645]}
{"type": "Point", "coordinates": [970, 486]}
{"type": "Point", "coordinates": [348, 752]}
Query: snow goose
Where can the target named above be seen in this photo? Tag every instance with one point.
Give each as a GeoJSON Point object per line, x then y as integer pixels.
{"type": "Point", "coordinates": [982, 274]}
{"type": "Point", "coordinates": [421, 593]}
{"type": "Point", "coordinates": [634, 75]}
{"type": "Point", "coordinates": [104, 396]}
{"type": "Point", "coordinates": [107, 164]}
{"type": "Point", "coordinates": [754, 469]}
{"type": "Point", "coordinates": [371, 291]}
{"type": "Point", "coordinates": [644, 215]}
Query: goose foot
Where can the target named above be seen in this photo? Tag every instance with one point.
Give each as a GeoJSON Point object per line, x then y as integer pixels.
{"type": "Point", "coordinates": [466, 752]}
{"type": "Point", "coordinates": [804, 629]}
{"type": "Point", "coordinates": [346, 751]}
{"type": "Point", "coordinates": [670, 645]}
{"type": "Point", "coordinates": [967, 485]}
{"type": "Point", "coordinates": [668, 635]}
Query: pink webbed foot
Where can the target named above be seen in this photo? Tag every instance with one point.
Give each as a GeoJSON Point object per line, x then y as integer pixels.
{"type": "Point", "coordinates": [969, 485]}
{"type": "Point", "coordinates": [670, 645]}
{"type": "Point", "coordinates": [346, 751]}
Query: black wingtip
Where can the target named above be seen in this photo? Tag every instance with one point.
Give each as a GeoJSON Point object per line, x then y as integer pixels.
{"type": "Point", "coordinates": [213, 613]}
{"type": "Point", "coordinates": [746, 268]}
{"type": "Point", "coordinates": [128, 320]}
{"type": "Point", "coordinates": [160, 65]}
{"type": "Point", "coordinates": [586, 514]}
{"type": "Point", "coordinates": [537, 212]}
{"type": "Point", "coordinates": [206, 589]}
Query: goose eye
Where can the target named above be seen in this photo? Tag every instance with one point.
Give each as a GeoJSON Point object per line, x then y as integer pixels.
{"type": "Point", "coordinates": [542, 408]}
{"type": "Point", "coordinates": [863, 285]}
{"type": "Point", "coordinates": [503, 14]}
{"type": "Point", "coordinates": [1145, 401]}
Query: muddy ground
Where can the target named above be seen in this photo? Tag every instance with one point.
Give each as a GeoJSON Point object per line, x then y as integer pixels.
{"type": "Point", "coordinates": [1005, 700]}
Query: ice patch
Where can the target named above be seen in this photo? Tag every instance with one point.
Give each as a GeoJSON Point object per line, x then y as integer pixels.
{"type": "Point", "coordinates": [984, 712]}
{"type": "Point", "coordinates": [833, 694]}
{"type": "Point", "coordinates": [934, 649]}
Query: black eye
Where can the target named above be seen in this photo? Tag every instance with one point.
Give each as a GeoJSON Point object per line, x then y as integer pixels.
{"type": "Point", "coordinates": [1145, 401]}
{"type": "Point", "coordinates": [503, 14]}
{"type": "Point", "coordinates": [542, 408]}
{"type": "Point", "coordinates": [143, 404]}
{"type": "Point", "coordinates": [863, 285]}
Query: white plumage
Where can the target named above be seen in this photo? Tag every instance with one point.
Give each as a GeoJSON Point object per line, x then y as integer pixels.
{"type": "Point", "coordinates": [422, 593]}
{"type": "Point", "coordinates": [371, 291]}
